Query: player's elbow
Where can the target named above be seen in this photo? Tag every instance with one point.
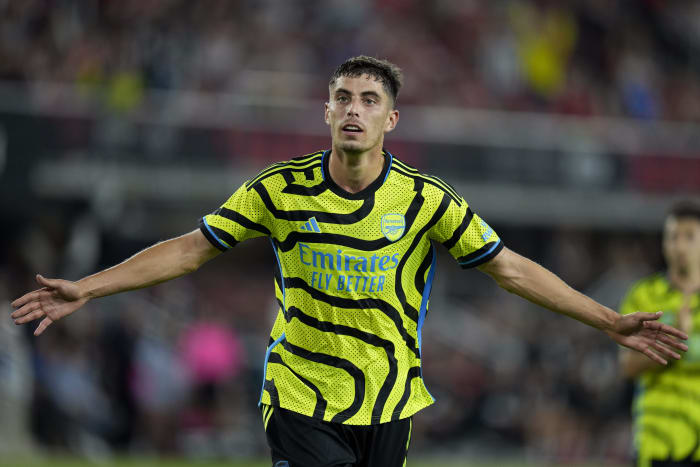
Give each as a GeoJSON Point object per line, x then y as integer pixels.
{"type": "Point", "coordinates": [190, 267]}
{"type": "Point", "coordinates": [194, 250]}
{"type": "Point", "coordinates": [192, 260]}
{"type": "Point", "coordinates": [510, 282]}
{"type": "Point", "coordinates": [506, 270]}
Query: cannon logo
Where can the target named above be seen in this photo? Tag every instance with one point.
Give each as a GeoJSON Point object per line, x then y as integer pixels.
{"type": "Point", "coordinates": [393, 226]}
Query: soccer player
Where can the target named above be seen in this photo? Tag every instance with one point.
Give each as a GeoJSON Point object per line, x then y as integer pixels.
{"type": "Point", "coordinates": [666, 405]}
{"type": "Point", "coordinates": [354, 231]}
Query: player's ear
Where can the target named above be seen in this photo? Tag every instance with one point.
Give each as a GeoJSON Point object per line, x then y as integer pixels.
{"type": "Point", "coordinates": [326, 114]}
{"type": "Point", "coordinates": [392, 120]}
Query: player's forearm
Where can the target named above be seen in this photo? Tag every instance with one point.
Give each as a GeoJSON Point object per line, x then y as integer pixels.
{"type": "Point", "coordinates": [634, 364]}
{"type": "Point", "coordinates": [158, 263]}
{"type": "Point", "coordinates": [533, 282]}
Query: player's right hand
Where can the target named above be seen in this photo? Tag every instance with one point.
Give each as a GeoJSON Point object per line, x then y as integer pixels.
{"type": "Point", "coordinates": [56, 299]}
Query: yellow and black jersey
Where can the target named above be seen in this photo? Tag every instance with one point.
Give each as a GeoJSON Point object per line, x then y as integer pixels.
{"type": "Point", "coordinates": [666, 406]}
{"type": "Point", "coordinates": [353, 279]}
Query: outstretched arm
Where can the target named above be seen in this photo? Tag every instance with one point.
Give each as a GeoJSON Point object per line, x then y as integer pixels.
{"type": "Point", "coordinates": [638, 331]}
{"type": "Point", "coordinates": [158, 263]}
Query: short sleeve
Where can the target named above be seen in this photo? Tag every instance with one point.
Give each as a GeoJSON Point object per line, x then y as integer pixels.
{"type": "Point", "coordinates": [469, 239]}
{"type": "Point", "coordinates": [241, 217]}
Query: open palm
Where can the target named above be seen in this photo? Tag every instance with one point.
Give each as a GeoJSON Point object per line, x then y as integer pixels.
{"type": "Point", "coordinates": [644, 333]}
{"type": "Point", "coordinates": [56, 299]}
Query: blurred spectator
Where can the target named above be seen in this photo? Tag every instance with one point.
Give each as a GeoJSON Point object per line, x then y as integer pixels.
{"type": "Point", "coordinates": [505, 54]}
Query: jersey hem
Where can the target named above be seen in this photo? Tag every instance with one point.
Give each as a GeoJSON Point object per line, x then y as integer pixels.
{"type": "Point", "coordinates": [373, 420]}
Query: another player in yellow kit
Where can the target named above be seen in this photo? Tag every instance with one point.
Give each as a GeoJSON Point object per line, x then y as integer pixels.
{"type": "Point", "coordinates": [354, 231]}
{"type": "Point", "coordinates": [666, 406]}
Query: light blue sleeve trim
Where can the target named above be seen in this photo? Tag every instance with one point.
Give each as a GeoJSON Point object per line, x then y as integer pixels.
{"type": "Point", "coordinates": [424, 311]}
{"type": "Point", "coordinates": [323, 172]}
{"type": "Point", "coordinates": [279, 265]}
{"type": "Point", "coordinates": [473, 260]}
{"type": "Point", "coordinates": [223, 243]}
{"type": "Point", "coordinates": [267, 357]}
{"type": "Point", "coordinates": [391, 160]}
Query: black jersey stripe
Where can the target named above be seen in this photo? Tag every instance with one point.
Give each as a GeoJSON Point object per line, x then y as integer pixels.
{"type": "Point", "coordinates": [452, 241]}
{"type": "Point", "coordinates": [242, 220]}
{"type": "Point", "coordinates": [294, 162]}
{"type": "Point", "coordinates": [416, 204]}
{"type": "Point", "coordinates": [481, 256]}
{"type": "Point", "coordinates": [271, 389]}
{"type": "Point", "coordinates": [281, 170]}
{"type": "Point", "coordinates": [332, 239]}
{"type": "Point", "coordinates": [321, 216]}
{"type": "Point", "coordinates": [278, 283]}
{"type": "Point", "coordinates": [413, 372]}
{"type": "Point", "coordinates": [369, 338]}
{"type": "Point", "coordinates": [431, 182]}
{"type": "Point", "coordinates": [289, 165]}
{"type": "Point", "coordinates": [209, 235]}
{"type": "Point", "coordinates": [288, 176]}
{"type": "Point", "coordinates": [309, 174]}
{"type": "Point", "coordinates": [343, 240]}
{"type": "Point", "coordinates": [440, 182]}
{"type": "Point", "coordinates": [405, 166]}
{"type": "Point", "coordinates": [661, 435]}
{"type": "Point", "coordinates": [439, 212]}
{"type": "Point", "coordinates": [306, 157]}
{"type": "Point", "coordinates": [264, 172]}
{"type": "Point", "coordinates": [336, 362]}
{"type": "Point", "coordinates": [411, 214]}
{"type": "Point", "coordinates": [351, 242]}
{"type": "Point", "coordinates": [447, 187]}
{"type": "Point", "coordinates": [362, 303]}
{"type": "Point", "coordinates": [420, 273]}
{"type": "Point", "coordinates": [321, 402]}
{"type": "Point", "coordinates": [296, 189]}
{"type": "Point", "coordinates": [219, 233]}
{"type": "Point", "coordinates": [677, 415]}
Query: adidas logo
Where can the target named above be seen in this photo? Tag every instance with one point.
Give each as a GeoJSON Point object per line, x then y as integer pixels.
{"type": "Point", "coordinates": [311, 226]}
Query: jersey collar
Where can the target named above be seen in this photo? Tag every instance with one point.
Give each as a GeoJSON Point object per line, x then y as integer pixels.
{"type": "Point", "coordinates": [363, 194]}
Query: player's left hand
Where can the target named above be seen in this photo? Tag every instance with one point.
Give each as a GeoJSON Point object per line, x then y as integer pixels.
{"type": "Point", "coordinates": [644, 333]}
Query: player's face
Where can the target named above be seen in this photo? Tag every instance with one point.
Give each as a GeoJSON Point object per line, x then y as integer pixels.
{"type": "Point", "coordinates": [681, 243]}
{"type": "Point", "coordinates": [359, 112]}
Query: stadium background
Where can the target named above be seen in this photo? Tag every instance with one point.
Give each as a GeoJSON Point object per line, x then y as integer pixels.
{"type": "Point", "coordinates": [569, 125]}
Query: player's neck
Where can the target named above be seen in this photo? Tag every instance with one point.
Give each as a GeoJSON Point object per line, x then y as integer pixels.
{"type": "Point", "coordinates": [355, 172]}
{"type": "Point", "coordinates": [687, 280]}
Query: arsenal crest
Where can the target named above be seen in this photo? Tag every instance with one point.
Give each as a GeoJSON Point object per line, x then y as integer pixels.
{"type": "Point", "coordinates": [393, 226]}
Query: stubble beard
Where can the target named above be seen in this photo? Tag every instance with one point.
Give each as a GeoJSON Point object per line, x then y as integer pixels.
{"type": "Point", "coordinates": [354, 147]}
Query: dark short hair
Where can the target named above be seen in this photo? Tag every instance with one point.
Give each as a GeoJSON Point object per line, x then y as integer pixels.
{"type": "Point", "coordinates": [684, 209]}
{"type": "Point", "coordinates": [381, 70]}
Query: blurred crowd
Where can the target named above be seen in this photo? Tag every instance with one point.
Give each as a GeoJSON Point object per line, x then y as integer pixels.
{"type": "Point", "coordinates": [585, 57]}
